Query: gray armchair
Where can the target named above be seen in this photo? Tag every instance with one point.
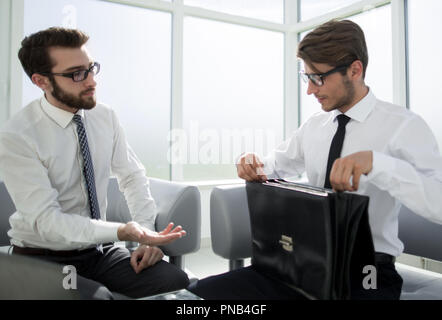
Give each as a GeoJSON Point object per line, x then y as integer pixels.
{"type": "Point", "coordinates": [176, 202]}
{"type": "Point", "coordinates": [231, 239]}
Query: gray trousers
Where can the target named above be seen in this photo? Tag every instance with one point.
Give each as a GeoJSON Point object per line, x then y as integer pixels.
{"type": "Point", "coordinates": [107, 274]}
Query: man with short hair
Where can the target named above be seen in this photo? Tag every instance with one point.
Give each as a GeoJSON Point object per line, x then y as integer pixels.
{"type": "Point", "coordinates": [56, 157]}
{"type": "Point", "coordinates": [387, 153]}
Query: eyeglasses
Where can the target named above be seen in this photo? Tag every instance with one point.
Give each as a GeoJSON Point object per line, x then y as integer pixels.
{"type": "Point", "coordinates": [318, 78]}
{"type": "Point", "coordinates": [78, 75]}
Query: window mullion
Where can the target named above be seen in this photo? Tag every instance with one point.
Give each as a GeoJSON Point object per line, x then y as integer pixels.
{"type": "Point", "coordinates": [5, 23]}
{"type": "Point", "coordinates": [291, 91]}
{"type": "Point", "coordinates": [16, 72]}
{"type": "Point", "coordinates": [176, 169]}
{"type": "Point", "coordinates": [345, 12]}
{"type": "Point", "coordinates": [399, 53]}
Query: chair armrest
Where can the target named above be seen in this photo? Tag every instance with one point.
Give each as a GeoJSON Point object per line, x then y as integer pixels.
{"type": "Point", "coordinates": [26, 277]}
{"type": "Point", "coordinates": [176, 202]}
{"type": "Point", "coordinates": [181, 204]}
{"type": "Point", "coordinates": [230, 222]}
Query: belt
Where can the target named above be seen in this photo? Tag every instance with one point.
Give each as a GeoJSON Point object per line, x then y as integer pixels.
{"type": "Point", "coordinates": [47, 252]}
{"type": "Point", "coordinates": [384, 258]}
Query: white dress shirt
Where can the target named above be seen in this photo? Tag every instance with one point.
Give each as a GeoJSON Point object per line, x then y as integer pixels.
{"type": "Point", "coordinates": [42, 167]}
{"type": "Point", "coordinates": [407, 165]}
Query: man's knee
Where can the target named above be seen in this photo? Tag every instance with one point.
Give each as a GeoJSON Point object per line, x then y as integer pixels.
{"type": "Point", "coordinates": [166, 277]}
{"type": "Point", "coordinates": [176, 279]}
{"type": "Point", "coordinates": [92, 290]}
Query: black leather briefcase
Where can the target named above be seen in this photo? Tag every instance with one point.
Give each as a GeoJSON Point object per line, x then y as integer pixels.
{"type": "Point", "coordinates": [314, 240]}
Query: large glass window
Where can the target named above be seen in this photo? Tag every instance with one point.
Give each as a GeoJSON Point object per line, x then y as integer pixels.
{"type": "Point", "coordinates": [271, 10]}
{"type": "Point", "coordinates": [314, 8]}
{"type": "Point", "coordinates": [376, 25]}
{"type": "Point", "coordinates": [133, 46]}
{"type": "Point", "coordinates": [233, 76]}
{"type": "Point", "coordinates": [425, 64]}
{"type": "Point", "coordinates": [233, 95]}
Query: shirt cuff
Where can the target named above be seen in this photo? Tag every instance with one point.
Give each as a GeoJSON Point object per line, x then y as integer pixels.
{"type": "Point", "coordinates": [105, 231]}
{"type": "Point", "coordinates": [269, 167]}
{"type": "Point", "coordinates": [383, 167]}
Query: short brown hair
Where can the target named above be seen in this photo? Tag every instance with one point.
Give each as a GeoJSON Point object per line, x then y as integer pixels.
{"type": "Point", "coordinates": [335, 43]}
{"type": "Point", "coordinates": [34, 53]}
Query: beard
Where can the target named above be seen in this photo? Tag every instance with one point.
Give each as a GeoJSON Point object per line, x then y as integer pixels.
{"type": "Point", "coordinates": [75, 102]}
{"type": "Point", "coordinates": [349, 96]}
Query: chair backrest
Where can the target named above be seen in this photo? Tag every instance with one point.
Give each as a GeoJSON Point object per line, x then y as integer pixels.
{"type": "Point", "coordinates": [176, 202]}
{"type": "Point", "coordinates": [7, 208]}
{"type": "Point", "coordinates": [231, 235]}
{"type": "Point", "coordinates": [420, 236]}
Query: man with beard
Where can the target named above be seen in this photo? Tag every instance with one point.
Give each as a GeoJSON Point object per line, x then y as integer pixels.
{"type": "Point", "coordinates": [56, 158]}
{"type": "Point", "coordinates": [359, 144]}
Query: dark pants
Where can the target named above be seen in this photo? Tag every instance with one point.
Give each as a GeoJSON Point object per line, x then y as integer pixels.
{"type": "Point", "coordinates": [102, 273]}
{"type": "Point", "coordinates": [249, 284]}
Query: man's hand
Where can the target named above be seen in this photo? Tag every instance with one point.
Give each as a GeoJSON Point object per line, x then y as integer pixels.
{"type": "Point", "coordinates": [132, 231]}
{"type": "Point", "coordinates": [250, 168]}
{"type": "Point", "coordinates": [145, 257]}
{"type": "Point", "coordinates": [354, 166]}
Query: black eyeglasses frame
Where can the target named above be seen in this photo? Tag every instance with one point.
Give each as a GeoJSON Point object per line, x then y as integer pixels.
{"type": "Point", "coordinates": [73, 75]}
{"type": "Point", "coordinates": [311, 76]}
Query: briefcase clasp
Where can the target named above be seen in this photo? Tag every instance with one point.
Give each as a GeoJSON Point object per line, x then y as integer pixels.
{"type": "Point", "coordinates": [287, 243]}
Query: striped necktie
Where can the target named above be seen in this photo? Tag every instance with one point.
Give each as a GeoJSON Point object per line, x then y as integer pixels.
{"type": "Point", "coordinates": [88, 168]}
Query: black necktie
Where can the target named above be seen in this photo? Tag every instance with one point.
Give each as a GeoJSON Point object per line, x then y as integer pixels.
{"type": "Point", "coordinates": [336, 147]}
{"type": "Point", "coordinates": [88, 168]}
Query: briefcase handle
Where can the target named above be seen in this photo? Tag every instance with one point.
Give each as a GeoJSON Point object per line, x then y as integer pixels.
{"type": "Point", "coordinates": [281, 183]}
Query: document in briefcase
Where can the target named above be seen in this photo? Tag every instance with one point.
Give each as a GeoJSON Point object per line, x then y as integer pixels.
{"type": "Point", "coordinates": [312, 239]}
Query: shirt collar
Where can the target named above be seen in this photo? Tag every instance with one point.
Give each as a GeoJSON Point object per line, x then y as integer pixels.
{"type": "Point", "coordinates": [360, 110]}
{"type": "Point", "coordinates": [60, 116]}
